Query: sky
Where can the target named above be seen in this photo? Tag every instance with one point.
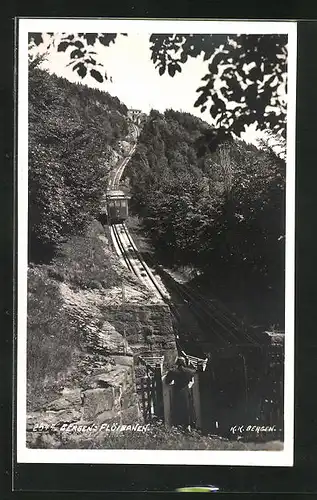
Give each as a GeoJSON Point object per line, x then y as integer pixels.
{"type": "Point", "coordinates": [136, 81]}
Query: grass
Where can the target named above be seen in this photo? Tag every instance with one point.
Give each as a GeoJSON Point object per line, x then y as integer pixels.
{"type": "Point", "coordinates": [85, 261]}
{"type": "Point", "coordinates": [54, 340]}
{"type": "Point", "coordinates": [158, 437]}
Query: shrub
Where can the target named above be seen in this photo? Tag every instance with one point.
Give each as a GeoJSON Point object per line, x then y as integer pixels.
{"type": "Point", "coordinates": [53, 336]}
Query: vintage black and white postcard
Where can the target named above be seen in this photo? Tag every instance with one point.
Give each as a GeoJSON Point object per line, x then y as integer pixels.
{"type": "Point", "coordinates": [156, 186]}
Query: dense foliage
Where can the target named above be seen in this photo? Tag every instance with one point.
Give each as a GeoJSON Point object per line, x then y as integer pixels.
{"type": "Point", "coordinates": [251, 69]}
{"type": "Point", "coordinates": [72, 133]}
{"type": "Point", "coordinates": [218, 207]}
{"type": "Point", "coordinates": [52, 340]}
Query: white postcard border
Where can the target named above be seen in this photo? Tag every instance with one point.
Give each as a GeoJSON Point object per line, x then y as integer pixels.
{"type": "Point", "coordinates": [201, 457]}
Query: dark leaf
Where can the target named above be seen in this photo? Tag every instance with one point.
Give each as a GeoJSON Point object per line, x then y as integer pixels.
{"type": "Point", "coordinates": [238, 126]}
{"type": "Point", "coordinates": [62, 46]}
{"type": "Point", "coordinates": [91, 38]}
{"type": "Point", "coordinates": [217, 60]}
{"type": "Point", "coordinates": [77, 65]}
{"type": "Point", "coordinates": [36, 38]}
{"type": "Point", "coordinates": [82, 70]}
{"type": "Point", "coordinates": [207, 55]}
{"type": "Point", "coordinates": [219, 102]}
{"type": "Point", "coordinates": [270, 80]}
{"type": "Point", "coordinates": [255, 74]}
{"type": "Point", "coordinates": [96, 75]}
{"type": "Point", "coordinates": [171, 70]}
{"type": "Point", "coordinates": [183, 57]}
{"type": "Point", "coordinates": [78, 44]}
{"type": "Point", "coordinates": [162, 70]}
{"type": "Point", "coordinates": [90, 60]}
{"type": "Point", "coordinates": [106, 38]}
{"type": "Point", "coordinates": [203, 89]}
{"type": "Point", "coordinates": [206, 77]}
{"type": "Point", "coordinates": [76, 53]}
{"type": "Point", "coordinates": [201, 100]}
{"type": "Point", "coordinates": [214, 111]}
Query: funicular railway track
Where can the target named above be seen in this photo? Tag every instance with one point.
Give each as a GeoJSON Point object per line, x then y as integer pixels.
{"type": "Point", "coordinates": [224, 326]}
{"type": "Point", "coordinates": [211, 313]}
{"type": "Point", "coordinates": [222, 323]}
{"type": "Point", "coordinates": [124, 244]}
{"type": "Point", "coordinates": [134, 261]}
{"type": "Point", "coordinates": [116, 175]}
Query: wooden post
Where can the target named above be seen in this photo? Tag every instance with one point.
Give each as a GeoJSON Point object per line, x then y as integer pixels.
{"type": "Point", "coordinates": [197, 396]}
{"type": "Point", "coordinates": [149, 399]}
{"type": "Point", "coordinates": [143, 397]}
{"type": "Point", "coordinates": [153, 407]}
{"type": "Point", "coordinates": [159, 409]}
{"type": "Point", "coordinates": [167, 390]}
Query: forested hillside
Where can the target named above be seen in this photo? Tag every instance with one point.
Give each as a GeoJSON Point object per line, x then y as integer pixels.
{"type": "Point", "coordinates": [73, 132]}
{"type": "Point", "coordinates": [214, 203]}
{"type": "Point", "coordinates": [75, 136]}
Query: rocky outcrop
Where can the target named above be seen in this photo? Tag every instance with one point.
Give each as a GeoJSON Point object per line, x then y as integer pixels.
{"type": "Point", "coordinates": [106, 340]}
{"type": "Point", "coordinates": [100, 385]}
{"type": "Point", "coordinates": [106, 394]}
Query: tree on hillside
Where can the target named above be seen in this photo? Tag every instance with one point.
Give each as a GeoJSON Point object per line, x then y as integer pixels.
{"type": "Point", "coordinates": [178, 211]}
{"type": "Point", "coordinates": [223, 211]}
{"type": "Point", "coordinates": [252, 70]}
{"type": "Point", "coordinates": [71, 128]}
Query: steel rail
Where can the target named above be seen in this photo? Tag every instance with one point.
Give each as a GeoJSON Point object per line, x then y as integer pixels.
{"type": "Point", "coordinates": [121, 249]}
{"type": "Point", "coordinates": [144, 265]}
{"type": "Point", "coordinates": [136, 261]}
{"type": "Point", "coordinates": [185, 291]}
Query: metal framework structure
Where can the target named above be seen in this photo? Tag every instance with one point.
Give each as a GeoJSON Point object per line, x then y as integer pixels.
{"type": "Point", "coordinates": [152, 362]}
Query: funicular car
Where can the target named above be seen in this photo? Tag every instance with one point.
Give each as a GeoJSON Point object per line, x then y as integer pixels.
{"type": "Point", "coordinates": [117, 206]}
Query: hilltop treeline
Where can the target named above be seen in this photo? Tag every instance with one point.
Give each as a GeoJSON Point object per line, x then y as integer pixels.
{"type": "Point", "coordinates": [211, 202]}
{"type": "Point", "coordinates": [73, 131]}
